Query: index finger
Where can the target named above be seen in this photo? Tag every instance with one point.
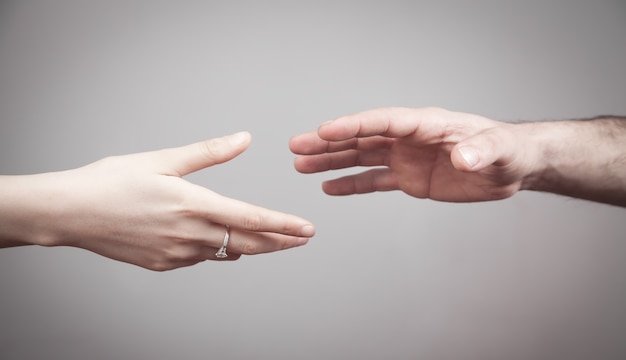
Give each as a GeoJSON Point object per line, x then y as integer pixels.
{"type": "Point", "coordinates": [311, 144]}
{"type": "Point", "coordinates": [388, 122]}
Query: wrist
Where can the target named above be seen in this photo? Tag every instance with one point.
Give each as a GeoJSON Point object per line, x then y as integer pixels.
{"type": "Point", "coordinates": [542, 142]}
{"type": "Point", "coordinates": [579, 158]}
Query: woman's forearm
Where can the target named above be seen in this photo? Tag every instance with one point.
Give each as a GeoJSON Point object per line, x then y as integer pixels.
{"type": "Point", "coordinates": [27, 209]}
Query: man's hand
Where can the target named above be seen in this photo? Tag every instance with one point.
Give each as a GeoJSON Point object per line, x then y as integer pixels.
{"type": "Point", "coordinates": [427, 153]}
{"type": "Point", "coordinates": [450, 156]}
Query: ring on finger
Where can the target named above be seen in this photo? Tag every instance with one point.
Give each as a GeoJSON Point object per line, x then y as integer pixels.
{"type": "Point", "coordinates": [221, 253]}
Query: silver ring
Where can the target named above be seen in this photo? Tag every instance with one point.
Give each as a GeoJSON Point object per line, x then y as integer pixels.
{"type": "Point", "coordinates": [221, 253]}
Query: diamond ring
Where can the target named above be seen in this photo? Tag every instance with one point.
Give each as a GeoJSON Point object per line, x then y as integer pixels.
{"type": "Point", "coordinates": [221, 253]}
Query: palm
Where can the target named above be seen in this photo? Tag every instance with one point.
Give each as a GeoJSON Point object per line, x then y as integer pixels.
{"type": "Point", "coordinates": [426, 171]}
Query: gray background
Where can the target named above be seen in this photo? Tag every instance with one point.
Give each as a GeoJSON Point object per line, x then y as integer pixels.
{"type": "Point", "coordinates": [536, 276]}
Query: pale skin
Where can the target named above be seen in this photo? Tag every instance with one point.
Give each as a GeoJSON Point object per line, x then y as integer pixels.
{"type": "Point", "coordinates": [458, 157]}
{"type": "Point", "coordinates": [138, 209]}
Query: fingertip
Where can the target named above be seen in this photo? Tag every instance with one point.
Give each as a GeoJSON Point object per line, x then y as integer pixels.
{"type": "Point", "coordinates": [301, 241]}
{"type": "Point", "coordinates": [486, 148]}
{"type": "Point", "coordinates": [323, 130]}
{"type": "Point", "coordinates": [325, 187]}
{"type": "Point", "coordinates": [469, 155]}
{"type": "Point", "coordinates": [329, 187]}
{"type": "Point", "coordinates": [466, 158]}
{"type": "Point", "coordinates": [307, 231]}
{"type": "Point", "coordinates": [296, 164]}
{"type": "Point", "coordinates": [240, 138]}
{"type": "Point", "coordinates": [293, 143]}
{"type": "Point", "coordinates": [326, 123]}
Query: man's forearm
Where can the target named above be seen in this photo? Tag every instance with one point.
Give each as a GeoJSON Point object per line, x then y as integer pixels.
{"type": "Point", "coordinates": [581, 158]}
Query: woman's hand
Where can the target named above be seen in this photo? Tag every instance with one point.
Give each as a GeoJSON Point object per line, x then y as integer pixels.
{"type": "Point", "coordinates": [137, 209]}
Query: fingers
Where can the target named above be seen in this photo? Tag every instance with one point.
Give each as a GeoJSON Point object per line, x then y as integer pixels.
{"type": "Point", "coordinates": [388, 122]}
{"type": "Point", "coordinates": [365, 182]}
{"type": "Point", "coordinates": [241, 242]}
{"type": "Point", "coordinates": [311, 143]}
{"type": "Point", "coordinates": [254, 218]}
{"type": "Point", "coordinates": [425, 125]}
{"type": "Point", "coordinates": [252, 243]}
{"type": "Point", "coordinates": [238, 214]}
{"type": "Point", "coordinates": [380, 127]}
{"type": "Point", "coordinates": [186, 159]}
{"type": "Point", "coordinates": [345, 159]}
{"type": "Point", "coordinates": [198, 240]}
{"type": "Point", "coordinates": [344, 132]}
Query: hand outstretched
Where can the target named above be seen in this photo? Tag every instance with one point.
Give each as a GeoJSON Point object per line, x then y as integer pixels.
{"type": "Point", "coordinates": [427, 153]}
{"type": "Point", "coordinates": [137, 209]}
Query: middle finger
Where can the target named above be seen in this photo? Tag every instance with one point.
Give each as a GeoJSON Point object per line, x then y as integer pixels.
{"type": "Point", "coordinates": [322, 162]}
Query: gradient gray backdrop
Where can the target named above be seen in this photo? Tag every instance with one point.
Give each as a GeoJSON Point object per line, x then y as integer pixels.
{"type": "Point", "coordinates": [537, 276]}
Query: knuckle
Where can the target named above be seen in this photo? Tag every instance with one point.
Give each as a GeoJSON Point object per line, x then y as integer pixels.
{"type": "Point", "coordinates": [253, 221]}
{"type": "Point", "coordinates": [159, 266]}
{"type": "Point", "coordinates": [249, 248]}
{"type": "Point", "coordinates": [172, 256]}
{"type": "Point", "coordinates": [209, 150]}
{"type": "Point", "coordinates": [176, 254]}
{"type": "Point", "coordinates": [286, 244]}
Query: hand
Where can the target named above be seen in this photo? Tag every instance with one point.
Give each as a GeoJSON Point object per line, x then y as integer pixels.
{"type": "Point", "coordinates": [427, 153]}
{"type": "Point", "coordinates": [137, 209]}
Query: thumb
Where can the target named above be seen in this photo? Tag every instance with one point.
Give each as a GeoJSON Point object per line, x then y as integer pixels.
{"type": "Point", "coordinates": [492, 146]}
{"type": "Point", "coordinates": [186, 159]}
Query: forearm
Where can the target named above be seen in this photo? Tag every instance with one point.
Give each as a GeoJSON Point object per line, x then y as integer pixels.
{"type": "Point", "coordinates": [26, 210]}
{"type": "Point", "coordinates": [580, 158]}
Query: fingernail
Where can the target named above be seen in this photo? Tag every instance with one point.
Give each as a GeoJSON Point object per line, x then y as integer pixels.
{"type": "Point", "coordinates": [302, 241]}
{"type": "Point", "coordinates": [327, 122]}
{"type": "Point", "coordinates": [307, 231]}
{"type": "Point", "coordinates": [470, 155]}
